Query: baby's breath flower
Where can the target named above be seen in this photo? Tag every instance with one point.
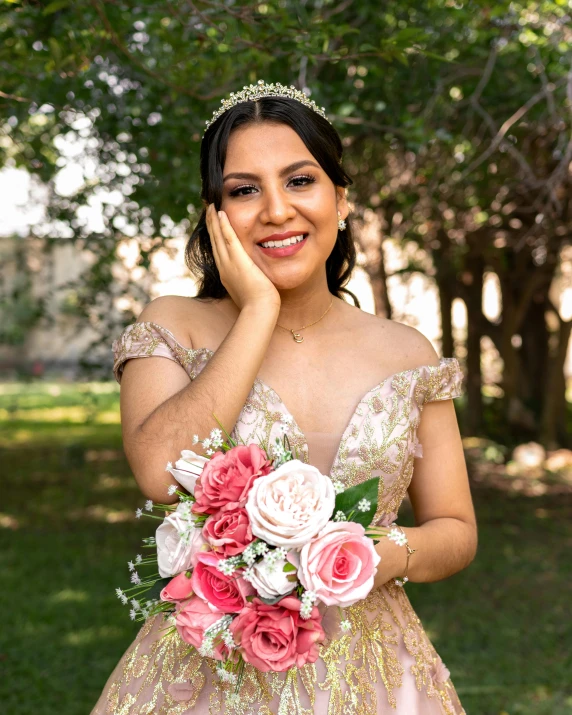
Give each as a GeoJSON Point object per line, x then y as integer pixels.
{"type": "Point", "coordinates": [169, 466]}
{"type": "Point", "coordinates": [195, 439]}
{"type": "Point", "coordinates": [340, 516]}
{"type": "Point", "coordinates": [135, 604]}
{"type": "Point", "coordinates": [132, 614]}
{"type": "Point", "coordinates": [119, 593]}
{"type": "Point", "coordinates": [364, 505]}
{"type": "Point", "coordinates": [281, 553]}
{"type": "Point", "coordinates": [249, 555]}
{"type": "Point", "coordinates": [209, 451]}
{"type": "Point", "coordinates": [149, 505]}
{"type": "Point", "coordinates": [227, 639]}
{"type": "Point", "coordinates": [338, 487]}
{"type": "Point", "coordinates": [398, 536]}
{"type": "Point", "coordinates": [345, 625]}
{"type": "Point", "coordinates": [135, 578]}
{"type": "Point", "coordinates": [124, 600]}
{"type": "Point", "coordinates": [206, 443]}
{"type": "Point", "coordinates": [216, 438]}
{"type": "Point", "coordinates": [138, 559]}
{"type": "Point", "coordinates": [248, 574]}
{"type": "Point", "coordinates": [138, 513]}
{"type": "Point", "coordinates": [283, 429]}
{"type": "Point", "coordinates": [260, 548]}
{"type": "Point", "coordinates": [172, 489]}
{"type": "Point", "coordinates": [226, 566]}
{"type": "Point", "coordinates": [131, 565]}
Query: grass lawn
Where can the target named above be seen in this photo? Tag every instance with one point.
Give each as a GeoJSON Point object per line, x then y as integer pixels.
{"type": "Point", "coordinates": [67, 530]}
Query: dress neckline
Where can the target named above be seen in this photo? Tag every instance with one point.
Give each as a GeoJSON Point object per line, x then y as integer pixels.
{"type": "Point", "coordinates": [265, 386]}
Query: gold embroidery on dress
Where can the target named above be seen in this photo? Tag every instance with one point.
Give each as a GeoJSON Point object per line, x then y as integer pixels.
{"type": "Point", "coordinates": [163, 676]}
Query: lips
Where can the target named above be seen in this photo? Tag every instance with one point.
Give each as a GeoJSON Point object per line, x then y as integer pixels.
{"type": "Point", "coordinates": [282, 251]}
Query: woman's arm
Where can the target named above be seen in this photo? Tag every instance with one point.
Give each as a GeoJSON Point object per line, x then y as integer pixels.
{"type": "Point", "coordinates": [161, 409]}
{"type": "Point", "coordinates": [445, 534]}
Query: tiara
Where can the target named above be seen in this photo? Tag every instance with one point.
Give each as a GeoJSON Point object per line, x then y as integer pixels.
{"type": "Point", "coordinates": [253, 92]}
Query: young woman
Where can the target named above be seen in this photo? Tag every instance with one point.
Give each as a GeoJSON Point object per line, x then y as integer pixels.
{"type": "Point", "coordinates": [269, 340]}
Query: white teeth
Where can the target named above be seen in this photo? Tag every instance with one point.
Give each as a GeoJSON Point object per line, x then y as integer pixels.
{"type": "Point", "coordinates": [286, 242]}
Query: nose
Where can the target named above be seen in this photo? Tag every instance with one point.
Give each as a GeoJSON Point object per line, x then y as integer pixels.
{"type": "Point", "coordinates": [277, 207]}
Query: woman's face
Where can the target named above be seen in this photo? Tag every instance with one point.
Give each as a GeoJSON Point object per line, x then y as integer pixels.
{"type": "Point", "coordinates": [273, 185]}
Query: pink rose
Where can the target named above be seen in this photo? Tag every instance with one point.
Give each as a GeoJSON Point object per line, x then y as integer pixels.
{"type": "Point", "coordinates": [193, 620]}
{"type": "Point", "coordinates": [228, 532]}
{"type": "Point", "coordinates": [227, 478]}
{"type": "Point", "coordinates": [226, 594]}
{"type": "Point", "coordinates": [178, 589]}
{"type": "Point", "coordinates": [276, 637]}
{"type": "Point", "coordinates": [338, 565]}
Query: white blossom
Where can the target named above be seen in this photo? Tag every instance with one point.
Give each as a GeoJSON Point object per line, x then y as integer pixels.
{"type": "Point", "coordinates": [364, 505]}
{"type": "Point", "coordinates": [338, 487]}
{"type": "Point", "coordinates": [138, 559]}
{"type": "Point", "coordinates": [138, 513]}
{"type": "Point", "coordinates": [135, 578]}
{"type": "Point", "coordinates": [172, 489]}
{"type": "Point", "coordinates": [345, 625]}
{"type": "Point", "coordinates": [397, 536]}
{"type": "Point", "coordinates": [132, 614]}
{"type": "Point", "coordinates": [131, 565]}
{"type": "Point", "coordinates": [195, 439]}
{"type": "Point", "coordinates": [149, 505]}
{"type": "Point", "coordinates": [340, 516]}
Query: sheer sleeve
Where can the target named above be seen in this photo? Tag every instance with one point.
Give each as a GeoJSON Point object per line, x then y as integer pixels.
{"type": "Point", "coordinates": [444, 381]}
{"type": "Point", "coordinates": [140, 340]}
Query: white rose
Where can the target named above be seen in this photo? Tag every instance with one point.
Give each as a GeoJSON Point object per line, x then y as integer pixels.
{"type": "Point", "coordinates": [291, 504]}
{"type": "Point", "coordinates": [188, 469]}
{"type": "Point", "coordinates": [177, 540]}
{"type": "Point", "coordinates": [269, 579]}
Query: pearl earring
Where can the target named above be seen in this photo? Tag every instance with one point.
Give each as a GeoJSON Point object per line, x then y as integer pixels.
{"type": "Point", "coordinates": [341, 222]}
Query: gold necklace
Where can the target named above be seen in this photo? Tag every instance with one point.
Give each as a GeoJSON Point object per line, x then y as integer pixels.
{"type": "Point", "coordinates": [296, 333]}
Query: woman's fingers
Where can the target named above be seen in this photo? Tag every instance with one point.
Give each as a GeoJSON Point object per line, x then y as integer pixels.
{"type": "Point", "coordinates": [215, 233]}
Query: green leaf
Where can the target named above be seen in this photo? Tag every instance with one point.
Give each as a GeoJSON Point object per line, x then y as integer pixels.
{"type": "Point", "coordinates": [55, 6]}
{"type": "Point", "coordinates": [288, 568]}
{"type": "Point", "coordinates": [155, 591]}
{"type": "Point", "coordinates": [348, 501]}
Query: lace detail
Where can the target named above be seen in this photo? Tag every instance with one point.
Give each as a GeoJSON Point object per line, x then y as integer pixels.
{"type": "Point", "coordinates": [387, 659]}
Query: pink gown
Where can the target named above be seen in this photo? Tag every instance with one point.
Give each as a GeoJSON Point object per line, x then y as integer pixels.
{"type": "Point", "coordinates": [386, 662]}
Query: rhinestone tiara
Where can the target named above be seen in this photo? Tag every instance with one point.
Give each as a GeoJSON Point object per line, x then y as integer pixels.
{"type": "Point", "coordinates": [259, 90]}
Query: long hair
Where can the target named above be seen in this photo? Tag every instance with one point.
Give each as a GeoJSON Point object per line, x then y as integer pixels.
{"type": "Point", "coordinates": [324, 144]}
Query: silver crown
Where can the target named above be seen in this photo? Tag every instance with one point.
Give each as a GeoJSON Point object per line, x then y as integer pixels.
{"type": "Point", "coordinates": [256, 91]}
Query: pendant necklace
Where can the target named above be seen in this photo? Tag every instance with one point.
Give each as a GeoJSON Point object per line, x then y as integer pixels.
{"type": "Point", "coordinates": [296, 332]}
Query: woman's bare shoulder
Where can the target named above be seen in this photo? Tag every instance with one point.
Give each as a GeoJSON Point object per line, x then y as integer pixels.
{"type": "Point", "coordinates": [182, 315]}
{"type": "Point", "coordinates": [408, 346]}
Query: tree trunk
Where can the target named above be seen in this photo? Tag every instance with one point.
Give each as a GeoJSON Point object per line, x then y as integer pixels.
{"type": "Point", "coordinates": [553, 419]}
{"type": "Point", "coordinates": [473, 290]}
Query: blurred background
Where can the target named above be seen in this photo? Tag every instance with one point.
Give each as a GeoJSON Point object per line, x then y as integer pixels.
{"type": "Point", "coordinates": [456, 119]}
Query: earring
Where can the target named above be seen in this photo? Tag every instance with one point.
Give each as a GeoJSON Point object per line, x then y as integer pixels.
{"type": "Point", "coordinates": [341, 222]}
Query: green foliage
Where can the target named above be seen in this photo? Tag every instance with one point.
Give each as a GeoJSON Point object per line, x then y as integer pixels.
{"type": "Point", "coordinates": [349, 500]}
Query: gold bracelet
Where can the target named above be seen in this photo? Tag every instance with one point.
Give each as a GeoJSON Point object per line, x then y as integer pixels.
{"type": "Point", "coordinates": [402, 581]}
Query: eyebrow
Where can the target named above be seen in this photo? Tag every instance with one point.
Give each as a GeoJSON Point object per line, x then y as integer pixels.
{"type": "Point", "coordinates": [286, 170]}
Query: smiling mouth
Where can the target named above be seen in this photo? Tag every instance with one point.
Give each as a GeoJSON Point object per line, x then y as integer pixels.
{"type": "Point", "coordinates": [286, 242]}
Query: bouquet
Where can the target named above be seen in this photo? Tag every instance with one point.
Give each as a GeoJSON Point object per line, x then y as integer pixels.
{"type": "Point", "coordinates": [257, 541]}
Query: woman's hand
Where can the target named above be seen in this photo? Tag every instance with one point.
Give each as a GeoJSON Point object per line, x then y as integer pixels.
{"type": "Point", "coordinates": [245, 282]}
{"type": "Point", "coordinates": [393, 561]}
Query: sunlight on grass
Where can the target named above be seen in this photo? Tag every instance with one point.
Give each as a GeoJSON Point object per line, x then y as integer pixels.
{"type": "Point", "coordinates": [68, 595]}
{"type": "Point", "coordinates": [88, 636]}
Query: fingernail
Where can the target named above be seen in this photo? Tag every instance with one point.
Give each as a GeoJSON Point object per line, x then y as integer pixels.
{"type": "Point", "coordinates": [219, 214]}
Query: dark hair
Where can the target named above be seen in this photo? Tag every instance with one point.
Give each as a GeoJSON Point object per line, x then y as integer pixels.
{"type": "Point", "coordinates": [324, 144]}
